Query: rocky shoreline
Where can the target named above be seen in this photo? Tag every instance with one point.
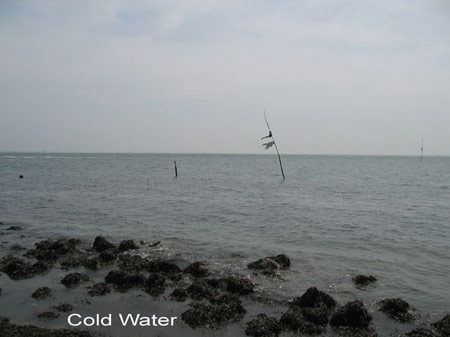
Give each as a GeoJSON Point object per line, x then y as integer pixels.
{"type": "Point", "coordinates": [214, 300]}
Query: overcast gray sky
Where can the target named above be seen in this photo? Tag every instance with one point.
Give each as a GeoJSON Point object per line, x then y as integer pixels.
{"type": "Point", "coordinates": [335, 77]}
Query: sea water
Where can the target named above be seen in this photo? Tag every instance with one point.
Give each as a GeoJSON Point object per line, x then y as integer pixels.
{"type": "Point", "coordinates": [334, 216]}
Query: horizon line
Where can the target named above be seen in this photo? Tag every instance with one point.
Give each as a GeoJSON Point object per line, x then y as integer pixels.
{"type": "Point", "coordinates": [231, 153]}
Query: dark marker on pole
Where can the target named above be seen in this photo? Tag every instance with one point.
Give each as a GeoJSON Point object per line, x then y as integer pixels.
{"type": "Point", "coordinates": [273, 141]}
{"type": "Point", "coordinates": [176, 171]}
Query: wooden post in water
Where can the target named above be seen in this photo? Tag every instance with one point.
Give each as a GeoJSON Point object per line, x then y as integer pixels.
{"type": "Point", "coordinates": [176, 171]}
{"type": "Point", "coordinates": [421, 151]}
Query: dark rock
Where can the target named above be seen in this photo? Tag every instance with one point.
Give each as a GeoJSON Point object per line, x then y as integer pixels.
{"type": "Point", "coordinates": [271, 265]}
{"type": "Point", "coordinates": [133, 263]}
{"type": "Point", "coordinates": [74, 279]}
{"type": "Point", "coordinates": [201, 289]}
{"type": "Point", "coordinates": [108, 256]}
{"type": "Point", "coordinates": [13, 330]}
{"type": "Point", "coordinates": [162, 266]}
{"type": "Point", "coordinates": [443, 326]}
{"type": "Point", "coordinates": [314, 297]}
{"type": "Point", "coordinates": [197, 269]}
{"type": "Point", "coordinates": [397, 309]}
{"type": "Point", "coordinates": [239, 285]}
{"type": "Point", "coordinates": [179, 295]}
{"type": "Point", "coordinates": [42, 293]}
{"type": "Point", "coordinates": [363, 280]}
{"type": "Point", "coordinates": [50, 251]}
{"type": "Point", "coordinates": [73, 262]}
{"type": "Point", "coordinates": [283, 260]}
{"type": "Point", "coordinates": [18, 269]}
{"type": "Point", "coordinates": [17, 248]}
{"type": "Point", "coordinates": [101, 244]}
{"type": "Point", "coordinates": [353, 314]}
{"type": "Point", "coordinates": [14, 228]}
{"type": "Point", "coordinates": [225, 298]}
{"type": "Point", "coordinates": [64, 307]}
{"type": "Point", "coordinates": [94, 263]}
{"type": "Point", "coordinates": [156, 244]}
{"type": "Point", "coordinates": [129, 245]}
{"type": "Point", "coordinates": [74, 241]}
{"type": "Point", "coordinates": [99, 289]}
{"type": "Point", "coordinates": [213, 316]}
{"type": "Point", "coordinates": [263, 326]}
{"type": "Point", "coordinates": [48, 315]}
{"type": "Point", "coordinates": [155, 284]}
{"type": "Point", "coordinates": [316, 315]}
{"type": "Point", "coordinates": [123, 280]}
{"type": "Point", "coordinates": [267, 266]}
{"type": "Point", "coordinates": [294, 320]}
{"type": "Point", "coordinates": [41, 267]}
{"type": "Point", "coordinates": [421, 332]}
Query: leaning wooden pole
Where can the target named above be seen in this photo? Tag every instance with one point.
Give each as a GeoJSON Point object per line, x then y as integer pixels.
{"type": "Point", "coordinates": [276, 147]}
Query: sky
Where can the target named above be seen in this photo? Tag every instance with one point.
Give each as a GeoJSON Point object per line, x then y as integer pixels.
{"type": "Point", "coordinates": [334, 77]}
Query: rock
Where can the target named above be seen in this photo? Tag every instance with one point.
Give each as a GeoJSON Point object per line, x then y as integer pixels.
{"type": "Point", "coordinates": [263, 326]}
{"type": "Point", "coordinates": [201, 289]}
{"type": "Point", "coordinates": [314, 297]}
{"type": "Point", "coordinates": [99, 289]}
{"type": "Point", "coordinates": [421, 332]}
{"type": "Point", "coordinates": [225, 298]}
{"type": "Point", "coordinates": [443, 326]}
{"type": "Point", "coordinates": [162, 266]}
{"type": "Point", "coordinates": [50, 251]}
{"type": "Point", "coordinates": [13, 330]}
{"type": "Point", "coordinates": [73, 262]}
{"type": "Point", "coordinates": [283, 260]}
{"type": "Point", "coordinates": [48, 315]}
{"type": "Point", "coordinates": [364, 280]}
{"type": "Point", "coordinates": [179, 295]}
{"type": "Point", "coordinates": [397, 309]}
{"type": "Point", "coordinates": [101, 244]}
{"type": "Point", "coordinates": [74, 241]}
{"type": "Point", "coordinates": [267, 266]}
{"type": "Point", "coordinates": [94, 263]}
{"type": "Point", "coordinates": [123, 280]}
{"type": "Point", "coordinates": [271, 265]}
{"type": "Point", "coordinates": [41, 267]}
{"type": "Point", "coordinates": [316, 315]}
{"type": "Point", "coordinates": [18, 269]}
{"type": "Point", "coordinates": [353, 314]}
{"type": "Point", "coordinates": [197, 269]}
{"type": "Point", "coordinates": [213, 316]}
{"type": "Point", "coordinates": [133, 263]}
{"type": "Point", "coordinates": [108, 256]}
{"type": "Point", "coordinates": [294, 320]}
{"type": "Point", "coordinates": [42, 293]}
{"type": "Point", "coordinates": [155, 284]}
{"type": "Point", "coordinates": [239, 285]}
{"type": "Point", "coordinates": [14, 228]}
{"type": "Point", "coordinates": [126, 245]}
{"type": "Point", "coordinates": [74, 279]}
{"type": "Point", "coordinates": [17, 248]}
{"type": "Point", "coordinates": [64, 307]}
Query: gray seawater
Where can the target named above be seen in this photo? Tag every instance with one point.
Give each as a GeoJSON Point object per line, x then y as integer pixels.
{"type": "Point", "coordinates": [334, 216]}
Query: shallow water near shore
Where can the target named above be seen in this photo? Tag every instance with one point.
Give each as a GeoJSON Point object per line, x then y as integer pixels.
{"type": "Point", "coordinates": [334, 216]}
